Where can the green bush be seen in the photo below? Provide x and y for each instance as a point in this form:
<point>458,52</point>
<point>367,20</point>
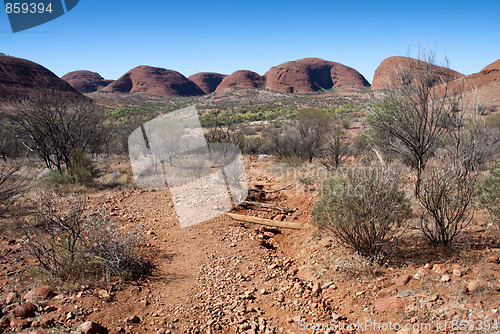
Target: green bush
<point>81,169</point>
<point>292,161</point>
<point>489,192</point>
<point>306,180</point>
<point>360,143</point>
<point>56,178</point>
<point>362,210</point>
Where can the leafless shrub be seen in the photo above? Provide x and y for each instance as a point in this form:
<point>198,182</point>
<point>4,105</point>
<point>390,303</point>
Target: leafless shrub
<point>11,186</point>
<point>70,243</point>
<point>469,145</point>
<point>115,251</point>
<point>362,210</point>
<point>303,138</point>
<point>335,149</point>
<point>10,145</point>
<point>447,196</point>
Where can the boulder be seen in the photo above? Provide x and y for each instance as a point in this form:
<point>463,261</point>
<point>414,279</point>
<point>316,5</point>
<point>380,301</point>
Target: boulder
<point>90,327</point>
<point>26,310</point>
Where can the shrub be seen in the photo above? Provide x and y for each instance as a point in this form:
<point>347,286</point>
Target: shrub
<point>360,143</point>
<point>56,178</point>
<point>71,244</point>
<point>488,192</point>
<point>292,161</point>
<point>81,169</point>
<point>11,187</point>
<point>470,145</point>
<point>252,145</point>
<point>493,121</point>
<point>447,196</point>
<point>306,180</point>
<point>335,148</point>
<point>302,138</point>
<point>362,210</point>
<point>345,123</point>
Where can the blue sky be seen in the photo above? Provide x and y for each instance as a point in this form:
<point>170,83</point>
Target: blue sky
<point>112,36</point>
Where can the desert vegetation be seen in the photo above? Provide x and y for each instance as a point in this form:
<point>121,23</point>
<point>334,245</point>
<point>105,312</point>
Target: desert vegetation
<point>72,244</point>
<point>373,202</point>
<point>363,209</point>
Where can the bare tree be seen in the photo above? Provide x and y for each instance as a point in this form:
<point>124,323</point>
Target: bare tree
<point>54,126</point>
<point>469,143</point>
<point>303,138</point>
<point>335,149</point>
<point>412,118</point>
<point>11,186</point>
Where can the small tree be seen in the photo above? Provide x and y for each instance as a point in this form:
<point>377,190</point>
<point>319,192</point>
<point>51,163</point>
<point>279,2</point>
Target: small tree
<point>412,118</point>
<point>55,126</point>
<point>10,146</point>
<point>81,169</point>
<point>447,196</point>
<point>11,186</point>
<point>302,138</point>
<point>335,149</point>
<point>362,210</point>
<point>222,128</point>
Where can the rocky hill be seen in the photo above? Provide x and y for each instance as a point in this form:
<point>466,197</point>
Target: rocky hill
<point>86,81</point>
<point>207,81</point>
<point>312,74</point>
<point>385,72</point>
<point>483,86</point>
<point>156,81</point>
<point>241,78</point>
<point>20,78</point>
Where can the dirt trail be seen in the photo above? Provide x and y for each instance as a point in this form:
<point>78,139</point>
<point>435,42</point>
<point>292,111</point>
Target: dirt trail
<point>219,275</point>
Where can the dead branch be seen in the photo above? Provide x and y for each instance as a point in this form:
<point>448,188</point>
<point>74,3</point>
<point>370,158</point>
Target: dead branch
<point>266,222</point>
<point>265,205</point>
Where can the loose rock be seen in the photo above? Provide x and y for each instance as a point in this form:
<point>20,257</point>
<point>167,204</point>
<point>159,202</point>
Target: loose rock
<point>90,327</point>
<point>402,280</point>
<point>26,310</point>
<point>39,294</point>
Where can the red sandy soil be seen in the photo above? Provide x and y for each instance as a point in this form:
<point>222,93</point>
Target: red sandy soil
<point>223,276</point>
